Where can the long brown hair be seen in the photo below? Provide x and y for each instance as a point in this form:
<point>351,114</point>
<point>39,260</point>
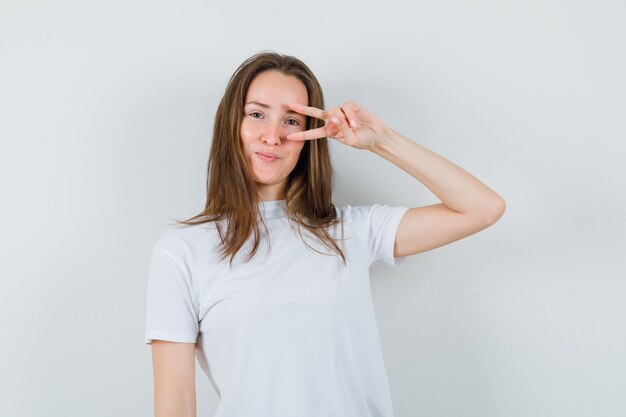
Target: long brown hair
<point>231,189</point>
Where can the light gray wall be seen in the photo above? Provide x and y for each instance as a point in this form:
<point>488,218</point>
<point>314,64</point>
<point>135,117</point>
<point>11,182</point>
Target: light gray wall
<point>105,117</point>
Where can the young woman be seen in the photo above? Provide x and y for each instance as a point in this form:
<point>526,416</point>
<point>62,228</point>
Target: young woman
<point>269,286</point>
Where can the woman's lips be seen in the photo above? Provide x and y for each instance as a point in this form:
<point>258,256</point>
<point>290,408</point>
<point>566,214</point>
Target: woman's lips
<point>266,158</point>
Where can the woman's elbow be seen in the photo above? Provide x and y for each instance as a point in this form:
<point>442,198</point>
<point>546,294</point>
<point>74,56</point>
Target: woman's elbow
<point>495,210</point>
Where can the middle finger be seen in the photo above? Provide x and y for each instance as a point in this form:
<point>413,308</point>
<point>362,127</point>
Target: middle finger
<point>309,111</point>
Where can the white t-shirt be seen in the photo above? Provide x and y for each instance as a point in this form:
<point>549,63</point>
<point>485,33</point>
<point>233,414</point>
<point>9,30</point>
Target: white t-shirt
<point>290,333</point>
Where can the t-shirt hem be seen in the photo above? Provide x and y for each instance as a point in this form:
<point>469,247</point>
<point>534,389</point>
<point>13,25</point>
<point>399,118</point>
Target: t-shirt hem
<point>395,263</point>
<point>170,337</point>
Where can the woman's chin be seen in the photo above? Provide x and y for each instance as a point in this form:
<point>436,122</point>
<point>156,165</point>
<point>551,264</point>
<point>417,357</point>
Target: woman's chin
<point>264,180</point>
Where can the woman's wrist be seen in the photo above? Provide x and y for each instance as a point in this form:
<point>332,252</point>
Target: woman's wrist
<point>384,141</point>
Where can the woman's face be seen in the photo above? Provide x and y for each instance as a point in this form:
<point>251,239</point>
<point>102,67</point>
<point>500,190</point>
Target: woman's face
<point>266,123</point>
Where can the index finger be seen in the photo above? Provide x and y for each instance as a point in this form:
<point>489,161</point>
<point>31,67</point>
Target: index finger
<point>309,111</point>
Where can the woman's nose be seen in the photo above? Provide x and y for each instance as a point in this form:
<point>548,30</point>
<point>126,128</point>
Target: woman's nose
<point>272,135</point>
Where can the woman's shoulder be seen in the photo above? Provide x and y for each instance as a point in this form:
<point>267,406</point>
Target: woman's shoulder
<point>364,215</point>
<point>362,209</point>
<point>178,237</point>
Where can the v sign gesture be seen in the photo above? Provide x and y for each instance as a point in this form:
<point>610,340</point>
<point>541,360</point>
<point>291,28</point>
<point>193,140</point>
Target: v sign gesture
<point>351,124</point>
<point>467,205</point>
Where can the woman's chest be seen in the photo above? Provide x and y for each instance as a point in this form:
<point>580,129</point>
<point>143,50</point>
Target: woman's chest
<point>286,288</point>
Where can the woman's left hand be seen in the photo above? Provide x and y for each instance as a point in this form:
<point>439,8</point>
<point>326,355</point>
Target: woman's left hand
<point>351,124</point>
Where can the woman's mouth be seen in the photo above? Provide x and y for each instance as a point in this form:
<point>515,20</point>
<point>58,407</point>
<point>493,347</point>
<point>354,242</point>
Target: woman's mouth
<point>266,158</point>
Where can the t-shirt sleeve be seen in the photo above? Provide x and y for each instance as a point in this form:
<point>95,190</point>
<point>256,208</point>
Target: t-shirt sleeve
<point>378,225</point>
<point>171,307</point>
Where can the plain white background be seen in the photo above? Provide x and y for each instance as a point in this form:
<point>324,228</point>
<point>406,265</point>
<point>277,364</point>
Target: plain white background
<point>106,111</point>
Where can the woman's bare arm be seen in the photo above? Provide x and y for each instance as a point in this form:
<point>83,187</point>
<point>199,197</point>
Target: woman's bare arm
<point>174,379</point>
<point>467,206</point>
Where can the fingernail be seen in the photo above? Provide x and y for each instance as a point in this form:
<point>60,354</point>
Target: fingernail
<point>353,122</point>
<point>336,121</point>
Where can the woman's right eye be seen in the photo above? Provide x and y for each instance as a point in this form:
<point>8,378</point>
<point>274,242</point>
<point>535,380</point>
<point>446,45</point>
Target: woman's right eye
<point>254,113</point>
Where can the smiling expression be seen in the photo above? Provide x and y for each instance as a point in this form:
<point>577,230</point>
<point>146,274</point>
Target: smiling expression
<point>264,128</point>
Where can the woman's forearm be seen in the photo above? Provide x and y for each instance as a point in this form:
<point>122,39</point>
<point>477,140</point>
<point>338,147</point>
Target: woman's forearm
<point>456,188</point>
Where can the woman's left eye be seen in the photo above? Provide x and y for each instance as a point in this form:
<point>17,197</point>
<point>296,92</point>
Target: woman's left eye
<point>294,120</point>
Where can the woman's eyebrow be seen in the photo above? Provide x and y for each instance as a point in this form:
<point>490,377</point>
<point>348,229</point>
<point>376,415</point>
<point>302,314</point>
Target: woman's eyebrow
<point>258,104</point>
<point>267,106</point>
